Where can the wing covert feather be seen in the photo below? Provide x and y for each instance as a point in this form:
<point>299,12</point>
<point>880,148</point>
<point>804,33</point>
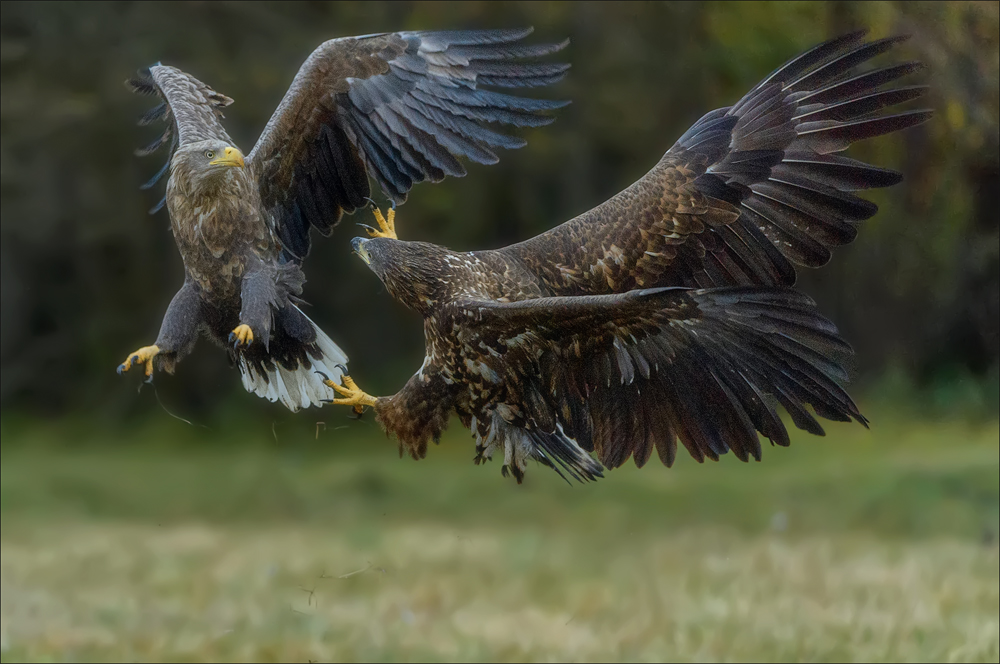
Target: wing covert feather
<point>749,191</point>
<point>397,107</point>
<point>627,373</point>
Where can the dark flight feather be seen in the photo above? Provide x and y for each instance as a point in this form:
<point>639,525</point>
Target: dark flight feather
<point>663,315</point>
<point>413,102</point>
<point>771,155</point>
<point>399,108</point>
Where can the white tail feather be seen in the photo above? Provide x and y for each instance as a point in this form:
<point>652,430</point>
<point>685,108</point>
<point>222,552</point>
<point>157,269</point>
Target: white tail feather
<point>302,387</point>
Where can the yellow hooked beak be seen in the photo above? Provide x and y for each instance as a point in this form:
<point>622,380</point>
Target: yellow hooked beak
<point>231,157</point>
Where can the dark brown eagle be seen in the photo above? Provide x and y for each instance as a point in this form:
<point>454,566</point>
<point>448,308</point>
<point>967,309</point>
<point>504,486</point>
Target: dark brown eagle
<point>665,313</point>
<point>396,107</point>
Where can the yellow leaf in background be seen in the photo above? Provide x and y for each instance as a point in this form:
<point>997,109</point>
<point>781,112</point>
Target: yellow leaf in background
<point>955,114</point>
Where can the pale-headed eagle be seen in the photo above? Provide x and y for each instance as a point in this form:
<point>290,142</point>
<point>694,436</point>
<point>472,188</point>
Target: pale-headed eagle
<point>665,313</point>
<point>398,108</point>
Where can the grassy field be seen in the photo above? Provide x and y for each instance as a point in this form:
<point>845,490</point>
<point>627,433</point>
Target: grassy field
<point>317,543</point>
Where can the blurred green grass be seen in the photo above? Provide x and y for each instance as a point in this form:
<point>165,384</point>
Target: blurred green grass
<point>164,541</point>
<point>904,477</point>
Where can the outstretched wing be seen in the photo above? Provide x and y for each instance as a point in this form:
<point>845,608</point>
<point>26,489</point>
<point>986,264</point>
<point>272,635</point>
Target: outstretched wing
<point>749,191</point>
<point>191,109</point>
<point>624,373</point>
<point>399,107</point>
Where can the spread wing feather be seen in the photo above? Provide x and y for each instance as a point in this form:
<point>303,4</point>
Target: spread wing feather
<point>398,107</point>
<point>628,373</point>
<point>191,109</point>
<point>746,193</point>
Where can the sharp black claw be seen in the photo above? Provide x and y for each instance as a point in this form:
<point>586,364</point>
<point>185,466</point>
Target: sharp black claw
<point>392,204</point>
<point>135,359</point>
<point>232,335</point>
<point>342,368</point>
<point>325,377</point>
<point>121,369</point>
<point>370,201</point>
<point>366,226</point>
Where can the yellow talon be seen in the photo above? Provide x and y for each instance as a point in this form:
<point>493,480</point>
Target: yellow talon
<point>241,336</point>
<point>353,395</point>
<point>144,355</point>
<point>388,225</point>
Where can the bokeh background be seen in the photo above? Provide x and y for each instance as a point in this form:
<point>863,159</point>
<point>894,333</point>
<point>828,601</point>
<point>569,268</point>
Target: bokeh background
<point>194,520</point>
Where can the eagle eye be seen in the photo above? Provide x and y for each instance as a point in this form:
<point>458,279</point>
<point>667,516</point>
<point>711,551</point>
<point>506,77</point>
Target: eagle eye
<point>210,154</point>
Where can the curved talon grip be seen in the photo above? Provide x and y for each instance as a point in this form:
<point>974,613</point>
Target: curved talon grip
<point>144,356</point>
<point>241,336</point>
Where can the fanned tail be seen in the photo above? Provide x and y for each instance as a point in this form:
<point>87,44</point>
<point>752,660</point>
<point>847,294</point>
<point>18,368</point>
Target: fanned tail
<point>292,369</point>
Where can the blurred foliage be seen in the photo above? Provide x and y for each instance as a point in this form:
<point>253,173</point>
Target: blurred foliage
<point>85,273</point>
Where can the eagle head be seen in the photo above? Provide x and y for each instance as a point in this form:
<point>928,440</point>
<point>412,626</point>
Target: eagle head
<point>206,164</point>
<point>414,273</point>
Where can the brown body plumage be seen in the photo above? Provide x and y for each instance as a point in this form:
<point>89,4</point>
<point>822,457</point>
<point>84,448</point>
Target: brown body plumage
<point>665,313</point>
<point>396,107</point>
<point>217,223</point>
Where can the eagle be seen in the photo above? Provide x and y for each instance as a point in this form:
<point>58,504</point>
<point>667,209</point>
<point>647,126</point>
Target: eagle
<point>666,313</point>
<point>398,108</point>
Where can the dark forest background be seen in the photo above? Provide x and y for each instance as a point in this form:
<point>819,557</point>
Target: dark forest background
<point>86,273</point>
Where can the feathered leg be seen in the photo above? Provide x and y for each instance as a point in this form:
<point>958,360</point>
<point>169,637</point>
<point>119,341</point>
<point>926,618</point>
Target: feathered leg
<point>258,294</point>
<point>416,414</point>
<point>177,337</point>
